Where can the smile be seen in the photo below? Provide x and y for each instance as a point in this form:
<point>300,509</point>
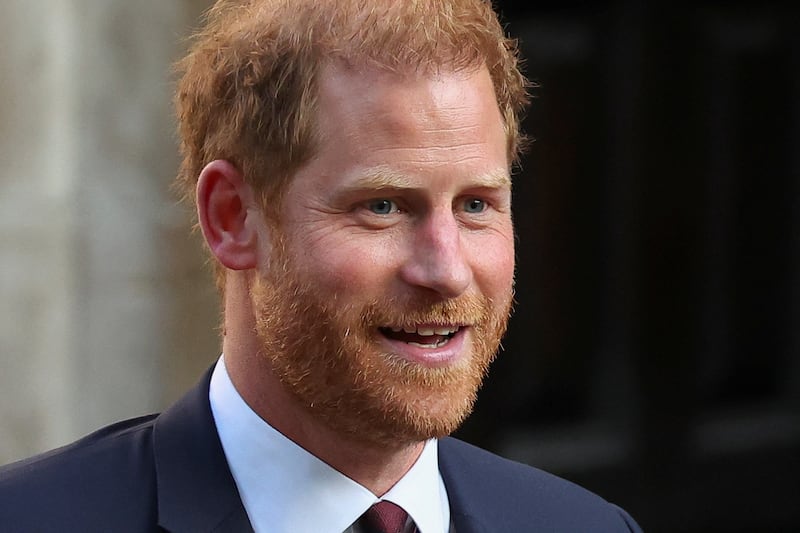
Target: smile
<point>428,337</point>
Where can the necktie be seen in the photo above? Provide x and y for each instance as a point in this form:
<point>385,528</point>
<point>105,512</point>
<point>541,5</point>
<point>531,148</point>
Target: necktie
<point>384,517</point>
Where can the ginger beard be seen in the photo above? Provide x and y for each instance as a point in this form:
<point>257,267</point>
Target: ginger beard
<point>328,354</point>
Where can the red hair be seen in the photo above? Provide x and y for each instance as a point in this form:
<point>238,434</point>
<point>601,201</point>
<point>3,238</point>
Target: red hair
<point>248,87</point>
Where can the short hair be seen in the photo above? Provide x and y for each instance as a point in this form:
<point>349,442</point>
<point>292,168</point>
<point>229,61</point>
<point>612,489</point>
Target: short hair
<point>248,86</point>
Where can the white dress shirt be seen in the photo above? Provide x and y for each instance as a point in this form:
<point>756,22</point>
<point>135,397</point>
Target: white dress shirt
<point>285,489</point>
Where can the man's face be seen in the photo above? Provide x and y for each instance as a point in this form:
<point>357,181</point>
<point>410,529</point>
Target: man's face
<point>388,286</point>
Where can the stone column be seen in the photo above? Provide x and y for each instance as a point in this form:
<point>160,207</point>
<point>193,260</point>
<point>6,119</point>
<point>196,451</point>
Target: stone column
<point>107,308</point>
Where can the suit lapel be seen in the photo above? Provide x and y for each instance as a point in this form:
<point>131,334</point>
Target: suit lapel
<point>464,523</point>
<point>465,508</point>
<point>196,491</point>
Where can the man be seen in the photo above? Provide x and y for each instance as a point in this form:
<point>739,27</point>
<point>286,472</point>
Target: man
<point>350,163</point>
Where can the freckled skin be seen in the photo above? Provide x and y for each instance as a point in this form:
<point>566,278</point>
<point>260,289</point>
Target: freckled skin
<point>442,135</point>
<point>402,217</point>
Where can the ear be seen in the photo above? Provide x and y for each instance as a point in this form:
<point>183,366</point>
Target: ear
<point>226,210</point>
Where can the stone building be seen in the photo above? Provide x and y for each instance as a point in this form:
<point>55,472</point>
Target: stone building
<point>107,308</point>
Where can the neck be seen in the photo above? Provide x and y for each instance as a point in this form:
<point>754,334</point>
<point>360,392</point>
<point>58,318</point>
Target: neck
<point>376,466</point>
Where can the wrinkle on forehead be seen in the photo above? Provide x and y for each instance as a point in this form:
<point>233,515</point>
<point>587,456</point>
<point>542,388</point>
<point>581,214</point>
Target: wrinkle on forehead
<point>431,90</point>
<point>379,130</point>
<point>443,113</point>
<point>384,177</point>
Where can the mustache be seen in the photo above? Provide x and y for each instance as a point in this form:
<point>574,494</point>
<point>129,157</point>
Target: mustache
<point>467,309</point>
<point>410,308</point>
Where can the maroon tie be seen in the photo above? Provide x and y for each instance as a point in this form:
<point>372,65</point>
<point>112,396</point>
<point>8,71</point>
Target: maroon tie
<point>384,517</point>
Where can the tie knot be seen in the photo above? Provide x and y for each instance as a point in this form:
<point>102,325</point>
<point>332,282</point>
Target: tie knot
<point>384,517</point>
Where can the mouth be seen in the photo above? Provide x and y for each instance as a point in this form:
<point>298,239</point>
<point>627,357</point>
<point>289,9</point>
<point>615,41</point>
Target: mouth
<point>427,337</point>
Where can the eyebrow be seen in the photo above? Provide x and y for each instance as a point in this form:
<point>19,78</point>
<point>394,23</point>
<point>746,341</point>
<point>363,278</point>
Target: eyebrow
<point>378,178</point>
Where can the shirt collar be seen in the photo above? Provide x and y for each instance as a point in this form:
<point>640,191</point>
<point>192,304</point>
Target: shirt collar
<point>284,488</point>
<point>422,494</point>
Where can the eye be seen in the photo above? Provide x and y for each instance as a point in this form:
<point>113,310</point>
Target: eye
<point>382,207</point>
<point>475,205</point>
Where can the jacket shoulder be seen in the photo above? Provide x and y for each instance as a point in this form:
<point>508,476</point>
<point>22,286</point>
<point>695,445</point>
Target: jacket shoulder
<point>102,482</point>
<point>505,495</point>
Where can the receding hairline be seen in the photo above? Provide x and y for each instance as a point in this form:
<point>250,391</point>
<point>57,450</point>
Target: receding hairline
<point>247,87</point>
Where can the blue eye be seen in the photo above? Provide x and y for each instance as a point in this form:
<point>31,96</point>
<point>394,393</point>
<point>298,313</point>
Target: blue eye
<point>382,207</point>
<point>475,205</point>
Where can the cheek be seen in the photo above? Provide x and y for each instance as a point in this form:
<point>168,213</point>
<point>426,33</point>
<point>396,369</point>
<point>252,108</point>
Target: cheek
<point>350,266</point>
<point>493,262</point>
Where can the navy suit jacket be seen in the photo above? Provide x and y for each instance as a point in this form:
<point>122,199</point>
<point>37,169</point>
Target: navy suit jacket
<point>168,472</point>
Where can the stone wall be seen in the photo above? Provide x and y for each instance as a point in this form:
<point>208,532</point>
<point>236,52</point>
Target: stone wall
<point>107,309</point>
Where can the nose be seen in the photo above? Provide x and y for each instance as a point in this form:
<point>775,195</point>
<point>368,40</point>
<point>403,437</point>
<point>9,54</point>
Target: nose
<point>438,259</point>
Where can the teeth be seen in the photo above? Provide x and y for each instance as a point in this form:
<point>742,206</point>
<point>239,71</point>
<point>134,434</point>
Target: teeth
<point>426,332</point>
<point>429,346</point>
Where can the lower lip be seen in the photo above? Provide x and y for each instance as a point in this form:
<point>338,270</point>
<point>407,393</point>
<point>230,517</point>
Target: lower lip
<point>446,355</point>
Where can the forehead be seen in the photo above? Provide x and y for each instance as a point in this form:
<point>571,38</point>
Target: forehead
<point>349,89</point>
<point>443,116</point>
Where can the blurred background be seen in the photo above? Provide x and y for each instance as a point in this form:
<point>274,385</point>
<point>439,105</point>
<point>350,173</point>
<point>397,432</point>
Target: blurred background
<point>654,356</point>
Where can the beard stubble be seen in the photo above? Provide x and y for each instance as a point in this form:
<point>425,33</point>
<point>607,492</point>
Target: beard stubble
<point>326,353</point>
